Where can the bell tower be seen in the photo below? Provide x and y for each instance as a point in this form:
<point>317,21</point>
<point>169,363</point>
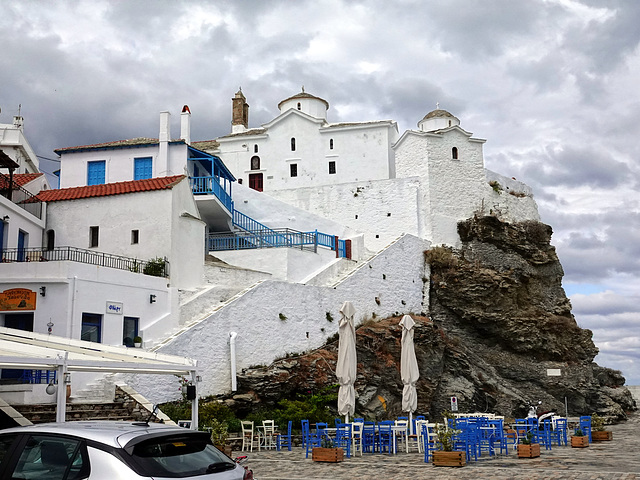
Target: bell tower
<point>239,113</point>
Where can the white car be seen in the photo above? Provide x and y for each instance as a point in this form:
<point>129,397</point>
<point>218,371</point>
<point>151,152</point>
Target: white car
<point>103,450</point>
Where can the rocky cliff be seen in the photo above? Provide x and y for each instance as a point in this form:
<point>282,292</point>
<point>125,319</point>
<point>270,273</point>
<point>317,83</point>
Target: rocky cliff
<point>498,321</point>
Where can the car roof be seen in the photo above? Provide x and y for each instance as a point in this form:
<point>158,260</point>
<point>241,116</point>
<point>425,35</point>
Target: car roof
<point>113,433</point>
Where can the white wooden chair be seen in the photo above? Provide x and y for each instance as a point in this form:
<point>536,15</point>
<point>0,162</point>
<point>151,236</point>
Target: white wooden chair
<point>268,433</point>
<point>248,436</point>
<point>356,438</point>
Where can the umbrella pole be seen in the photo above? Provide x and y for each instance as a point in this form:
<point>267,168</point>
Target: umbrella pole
<point>410,423</point>
<point>346,418</point>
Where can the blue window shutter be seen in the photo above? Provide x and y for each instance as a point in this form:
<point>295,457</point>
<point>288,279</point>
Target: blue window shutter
<point>142,168</point>
<point>96,172</point>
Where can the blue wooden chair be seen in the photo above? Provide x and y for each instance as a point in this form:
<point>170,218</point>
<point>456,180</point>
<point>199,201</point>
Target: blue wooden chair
<point>343,437</point>
<point>385,437</point>
<point>284,440</point>
<point>369,437</point>
<point>559,433</point>
<point>305,432</point>
<point>585,426</point>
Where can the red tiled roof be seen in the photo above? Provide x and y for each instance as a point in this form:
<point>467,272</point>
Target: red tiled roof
<point>19,179</point>
<point>106,189</point>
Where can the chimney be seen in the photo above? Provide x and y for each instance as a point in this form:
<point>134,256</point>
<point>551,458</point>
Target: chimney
<point>18,122</point>
<point>185,125</point>
<point>239,113</point>
<point>164,138</point>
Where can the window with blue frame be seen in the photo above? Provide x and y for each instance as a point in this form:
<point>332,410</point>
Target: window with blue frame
<point>142,168</point>
<point>91,327</point>
<point>96,172</point>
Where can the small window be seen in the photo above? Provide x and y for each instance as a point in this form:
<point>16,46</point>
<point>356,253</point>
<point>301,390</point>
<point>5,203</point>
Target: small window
<point>255,163</point>
<point>130,330</point>
<point>293,169</point>
<point>51,240</point>
<point>454,153</point>
<point>449,122</point>
<point>332,167</point>
<point>135,237</point>
<point>255,148</point>
<point>240,181</point>
<point>331,144</point>
<point>142,168</point>
<point>299,106</point>
<point>94,233</point>
<point>91,327</point>
<point>293,144</point>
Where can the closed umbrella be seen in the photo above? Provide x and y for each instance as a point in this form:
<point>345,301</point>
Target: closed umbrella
<point>346,368</point>
<point>408,369</point>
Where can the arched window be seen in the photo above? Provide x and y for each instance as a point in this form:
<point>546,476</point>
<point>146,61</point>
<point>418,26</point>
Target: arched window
<point>299,106</point>
<point>255,163</point>
<point>51,240</point>
<point>454,153</point>
<point>449,122</point>
<point>293,144</point>
<point>255,148</point>
<point>331,144</point>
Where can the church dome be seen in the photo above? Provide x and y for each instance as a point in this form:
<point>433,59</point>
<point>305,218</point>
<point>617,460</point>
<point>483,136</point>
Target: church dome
<point>307,103</point>
<point>437,119</point>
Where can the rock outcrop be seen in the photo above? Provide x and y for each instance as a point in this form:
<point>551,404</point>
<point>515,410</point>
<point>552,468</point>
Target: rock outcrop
<point>499,323</point>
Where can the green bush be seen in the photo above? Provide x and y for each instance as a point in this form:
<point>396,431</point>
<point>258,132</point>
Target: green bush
<point>155,267</point>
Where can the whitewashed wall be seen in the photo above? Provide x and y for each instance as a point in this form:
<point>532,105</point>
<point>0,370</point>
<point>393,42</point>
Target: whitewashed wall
<point>361,152</point>
<point>119,163</point>
<point>73,288</point>
<point>157,215</point>
<point>395,277</point>
<point>381,209</point>
<point>20,219</point>
<point>510,208</point>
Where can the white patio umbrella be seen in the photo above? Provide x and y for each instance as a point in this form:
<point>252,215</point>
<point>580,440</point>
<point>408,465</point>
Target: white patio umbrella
<point>408,369</point>
<point>347,365</point>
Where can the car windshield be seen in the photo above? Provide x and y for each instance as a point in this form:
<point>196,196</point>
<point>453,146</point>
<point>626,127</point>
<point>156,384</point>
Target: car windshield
<point>180,456</point>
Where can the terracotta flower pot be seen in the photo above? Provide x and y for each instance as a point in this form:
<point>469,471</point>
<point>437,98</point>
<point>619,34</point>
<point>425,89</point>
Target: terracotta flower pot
<point>449,459</point>
<point>580,442</point>
<point>529,451</point>
<point>602,436</point>
<point>321,454</point>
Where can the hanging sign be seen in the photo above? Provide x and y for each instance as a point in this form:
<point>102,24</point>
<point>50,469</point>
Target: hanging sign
<point>17,299</point>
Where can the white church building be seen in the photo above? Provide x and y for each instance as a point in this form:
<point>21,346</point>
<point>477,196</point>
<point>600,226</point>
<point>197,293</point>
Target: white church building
<point>262,234</point>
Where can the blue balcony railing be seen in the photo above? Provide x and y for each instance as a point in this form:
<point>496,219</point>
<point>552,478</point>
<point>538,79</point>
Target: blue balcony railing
<point>211,186</point>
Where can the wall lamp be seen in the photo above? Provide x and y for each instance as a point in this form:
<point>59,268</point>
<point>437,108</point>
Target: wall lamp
<point>152,298</point>
<point>5,218</point>
<point>43,291</point>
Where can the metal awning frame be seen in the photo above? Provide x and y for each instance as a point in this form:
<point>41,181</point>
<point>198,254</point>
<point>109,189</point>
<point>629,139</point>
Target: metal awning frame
<point>28,350</point>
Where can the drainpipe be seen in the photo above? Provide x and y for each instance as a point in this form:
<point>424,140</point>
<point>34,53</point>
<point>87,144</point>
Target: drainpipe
<point>232,343</point>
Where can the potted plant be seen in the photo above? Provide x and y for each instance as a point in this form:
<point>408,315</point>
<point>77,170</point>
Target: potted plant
<point>579,439</point>
<point>598,432</point>
<point>327,452</point>
<point>528,449</point>
<point>137,342</point>
<point>445,456</point>
<point>220,436</point>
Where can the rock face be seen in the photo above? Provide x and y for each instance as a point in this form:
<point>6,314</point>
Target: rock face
<point>499,320</point>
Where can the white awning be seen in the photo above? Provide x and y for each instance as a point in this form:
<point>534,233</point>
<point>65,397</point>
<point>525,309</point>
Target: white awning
<point>38,351</point>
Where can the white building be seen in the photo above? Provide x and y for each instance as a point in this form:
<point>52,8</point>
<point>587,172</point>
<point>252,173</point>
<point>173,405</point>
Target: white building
<point>307,183</point>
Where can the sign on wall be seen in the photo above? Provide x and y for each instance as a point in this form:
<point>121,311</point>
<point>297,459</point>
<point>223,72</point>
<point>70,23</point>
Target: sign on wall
<point>114,307</point>
<point>454,404</point>
<point>17,299</point>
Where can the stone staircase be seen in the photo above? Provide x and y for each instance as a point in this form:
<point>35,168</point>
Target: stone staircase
<point>126,405</point>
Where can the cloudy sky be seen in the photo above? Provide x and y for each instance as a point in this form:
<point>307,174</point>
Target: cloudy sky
<point>553,85</point>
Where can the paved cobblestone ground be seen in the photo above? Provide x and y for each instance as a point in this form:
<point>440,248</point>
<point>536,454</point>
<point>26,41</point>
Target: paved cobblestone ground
<point>618,459</point>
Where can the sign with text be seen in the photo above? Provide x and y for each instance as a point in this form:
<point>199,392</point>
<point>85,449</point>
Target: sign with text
<point>553,372</point>
<point>114,307</point>
<point>17,299</point>
<point>454,404</point>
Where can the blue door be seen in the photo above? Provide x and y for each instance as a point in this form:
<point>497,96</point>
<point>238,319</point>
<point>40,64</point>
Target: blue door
<point>96,172</point>
<point>22,243</point>
<point>142,168</point>
<point>19,321</point>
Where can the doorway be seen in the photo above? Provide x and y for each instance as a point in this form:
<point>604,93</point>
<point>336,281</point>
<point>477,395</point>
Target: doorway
<point>255,181</point>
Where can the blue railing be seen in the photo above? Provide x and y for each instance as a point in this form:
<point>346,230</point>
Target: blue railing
<point>210,185</point>
<point>38,376</point>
